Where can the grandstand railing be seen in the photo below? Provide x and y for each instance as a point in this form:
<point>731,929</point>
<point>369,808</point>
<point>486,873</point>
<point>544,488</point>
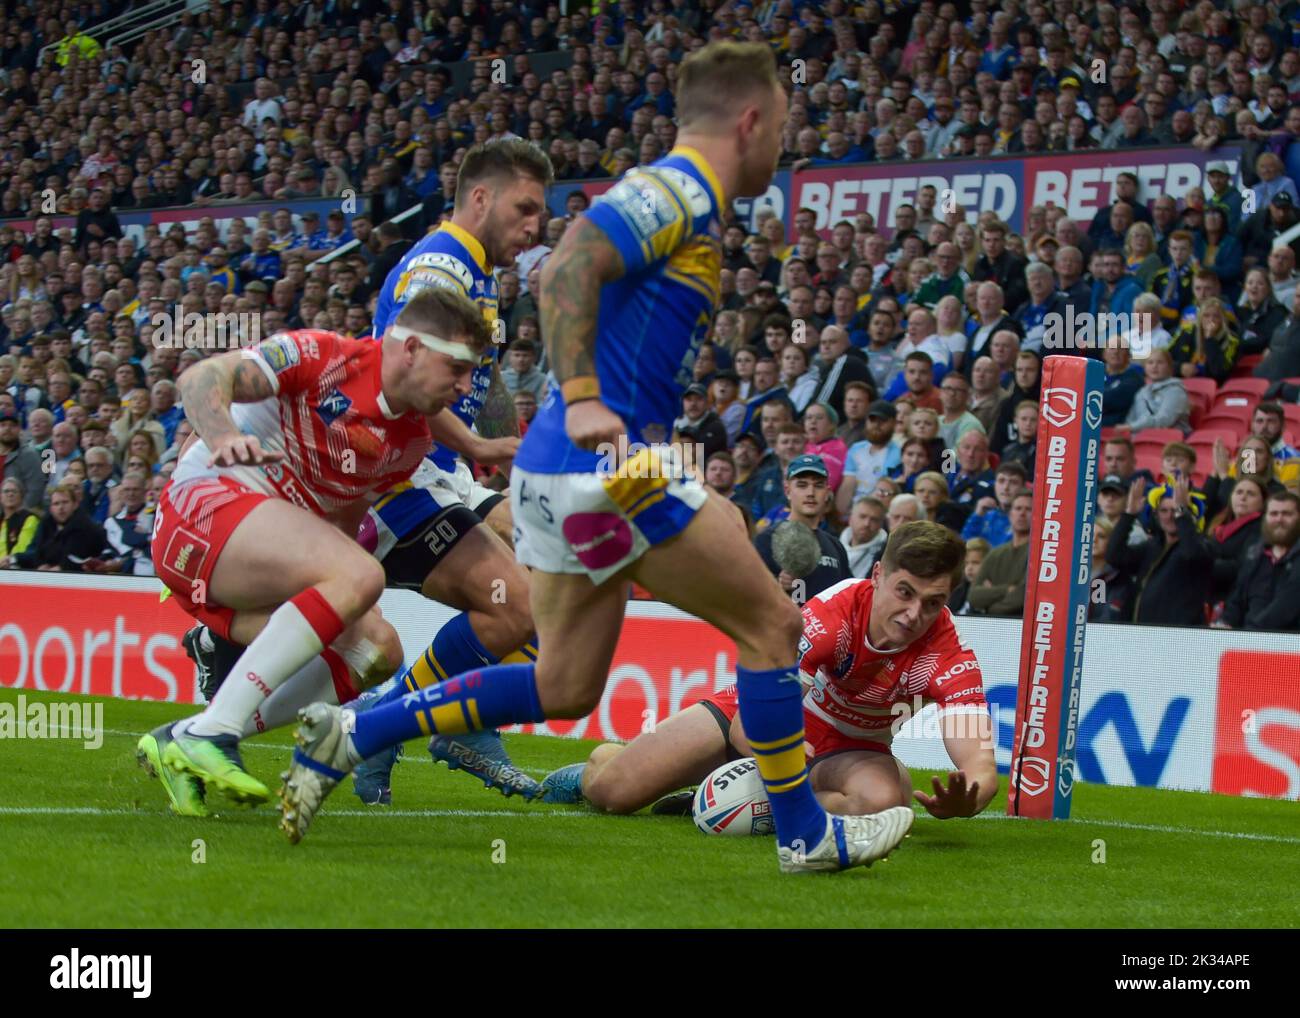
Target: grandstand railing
<point>353,244</point>
<point>132,24</point>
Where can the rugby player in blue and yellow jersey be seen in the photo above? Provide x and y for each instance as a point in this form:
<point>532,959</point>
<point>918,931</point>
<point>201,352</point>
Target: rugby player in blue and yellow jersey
<point>626,300</point>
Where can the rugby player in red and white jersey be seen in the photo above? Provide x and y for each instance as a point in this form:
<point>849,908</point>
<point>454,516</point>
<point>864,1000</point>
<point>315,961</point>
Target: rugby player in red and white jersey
<point>868,647</point>
<point>255,533</point>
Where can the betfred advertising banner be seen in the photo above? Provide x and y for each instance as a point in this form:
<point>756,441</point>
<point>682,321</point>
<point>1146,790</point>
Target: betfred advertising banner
<point>1191,709</point>
<point>1081,182</point>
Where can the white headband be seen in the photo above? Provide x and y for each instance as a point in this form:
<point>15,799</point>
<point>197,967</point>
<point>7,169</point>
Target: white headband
<point>456,351</point>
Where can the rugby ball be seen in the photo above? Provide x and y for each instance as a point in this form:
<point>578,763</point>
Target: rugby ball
<point>732,800</point>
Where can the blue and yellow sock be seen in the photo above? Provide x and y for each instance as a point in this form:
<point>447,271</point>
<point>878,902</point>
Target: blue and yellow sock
<point>455,650</point>
<point>476,701</point>
<point>771,712</point>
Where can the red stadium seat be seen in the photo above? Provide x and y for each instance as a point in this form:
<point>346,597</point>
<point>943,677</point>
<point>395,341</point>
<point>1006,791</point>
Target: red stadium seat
<point>1235,403</point>
<point>1203,442</point>
<point>1292,413</point>
<point>1157,436</point>
<point>1245,366</point>
<point>1227,419</point>
<point>1108,433</point>
<point>1200,406</point>
<point>1253,386</point>
<point>1203,386</point>
<point>1149,458</point>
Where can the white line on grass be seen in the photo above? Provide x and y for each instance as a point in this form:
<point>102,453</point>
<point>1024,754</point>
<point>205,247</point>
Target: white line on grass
<point>587,814</point>
<point>1162,829</point>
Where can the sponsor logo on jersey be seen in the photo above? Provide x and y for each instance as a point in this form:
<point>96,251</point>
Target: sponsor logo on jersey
<point>333,406</point>
<point>183,558</point>
<point>959,668</point>
<point>438,262</point>
<point>280,352</point>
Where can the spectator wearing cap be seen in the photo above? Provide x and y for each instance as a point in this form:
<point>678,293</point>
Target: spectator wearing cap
<point>865,536</point>
<point>999,586</point>
<point>1267,593</point>
<point>1223,194</point>
<point>809,500</point>
<point>19,460</point>
<point>1260,232</point>
<point>872,458</point>
<point>758,474</point>
<point>699,424</point>
<point>520,372</point>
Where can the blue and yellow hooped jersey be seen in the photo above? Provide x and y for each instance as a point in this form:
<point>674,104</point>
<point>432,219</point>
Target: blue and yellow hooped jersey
<point>665,220</point>
<point>451,258</point>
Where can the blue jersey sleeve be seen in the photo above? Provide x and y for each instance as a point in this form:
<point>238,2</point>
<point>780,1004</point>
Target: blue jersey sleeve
<point>650,213</point>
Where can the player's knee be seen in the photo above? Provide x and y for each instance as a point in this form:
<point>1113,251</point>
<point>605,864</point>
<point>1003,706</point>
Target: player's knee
<point>562,698</point>
<point>606,792</point>
<point>357,586</point>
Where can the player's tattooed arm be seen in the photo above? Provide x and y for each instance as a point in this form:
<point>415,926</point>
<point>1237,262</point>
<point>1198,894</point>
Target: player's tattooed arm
<point>207,391</point>
<point>570,299</point>
<point>497,419</point>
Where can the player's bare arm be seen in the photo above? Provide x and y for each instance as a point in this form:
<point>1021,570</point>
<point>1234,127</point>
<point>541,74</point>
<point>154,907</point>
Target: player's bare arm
<point>490,450</point>
<point>208,389</point>
<point>571,282</point>
<point>968,738</point>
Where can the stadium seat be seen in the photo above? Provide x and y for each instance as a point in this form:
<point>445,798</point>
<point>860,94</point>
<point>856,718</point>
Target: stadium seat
<point>1236,421</point>
<point>1148,458</point>
<point>1108,433</point>
<point>1157,436</point>
<point>1245,367</point>
<point>1203,442</point>
<point>1200,406</point>
<point>1292,413</point>
<point>1235,402</point>
<point>1254,386</point>
<point>1202,386</point>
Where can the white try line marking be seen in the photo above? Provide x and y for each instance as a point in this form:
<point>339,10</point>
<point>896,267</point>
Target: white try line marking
<point>407,814</point>
<point>1160,829</point>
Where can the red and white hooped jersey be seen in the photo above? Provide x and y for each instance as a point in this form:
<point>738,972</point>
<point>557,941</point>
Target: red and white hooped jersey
<point>329,418</point>
<point>855,686</point>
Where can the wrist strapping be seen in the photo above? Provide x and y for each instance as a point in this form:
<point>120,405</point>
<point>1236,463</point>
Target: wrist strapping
<point>583,387</point>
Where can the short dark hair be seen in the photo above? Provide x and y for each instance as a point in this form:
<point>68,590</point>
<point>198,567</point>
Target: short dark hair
<point>1272,409</point>
<point>1284,496</point>
<point>925,549</point>
<point>504,158</point>
<point>1013,468</point>
<point>919,355</point>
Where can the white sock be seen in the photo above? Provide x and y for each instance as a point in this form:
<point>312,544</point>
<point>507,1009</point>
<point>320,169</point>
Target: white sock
<point>286,644</point>
<point>309,684</point>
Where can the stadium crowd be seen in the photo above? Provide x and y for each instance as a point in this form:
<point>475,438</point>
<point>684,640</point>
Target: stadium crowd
<point>893,368</point>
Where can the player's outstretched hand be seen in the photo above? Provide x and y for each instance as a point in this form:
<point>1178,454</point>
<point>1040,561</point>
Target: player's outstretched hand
<point>954,801</point>
<point>239,449</point>
<point>591,424</point>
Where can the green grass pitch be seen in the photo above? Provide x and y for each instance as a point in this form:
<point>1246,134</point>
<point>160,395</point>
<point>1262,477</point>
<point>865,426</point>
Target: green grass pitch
<point>86,840</point>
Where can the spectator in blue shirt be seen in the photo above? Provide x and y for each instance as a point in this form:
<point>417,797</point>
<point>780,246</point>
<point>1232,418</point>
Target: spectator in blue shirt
<point>1123,380</point>
<point>991,519</point>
